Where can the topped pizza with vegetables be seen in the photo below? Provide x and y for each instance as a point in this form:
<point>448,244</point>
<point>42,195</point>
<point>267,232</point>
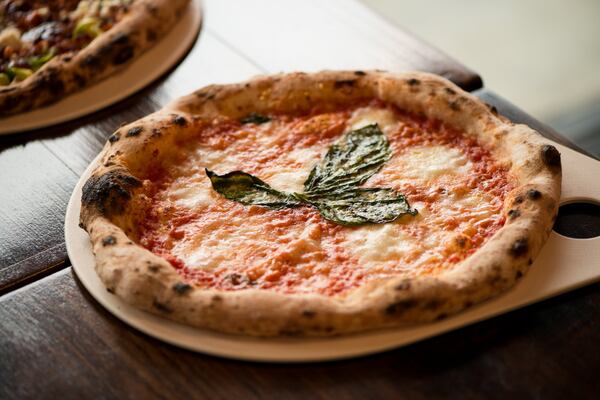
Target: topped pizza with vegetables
<point>319,204</point>
<point>49,49</point>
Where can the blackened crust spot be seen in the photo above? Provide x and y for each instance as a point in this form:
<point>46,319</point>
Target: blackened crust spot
<point>151,35</point>
<point>518,275</point>
<point>360,73</point>
<point>161,307</point>
<point>454,105</point>
<point>156,133</point>
<point>413,82</point>
<point>154,268</point>
<point>308,313</point>
<point>513,214</point>
<point>109,240</point>
<point>400,306</point>
<point>80,80</point>
<point>135,131</point>
<point>181,287</point>
<point>518,200</point>
<point>123,55</point>
<point>52,82</point>
<point>534,194</point>
<point>519,248</point>
<point>114,137</point>
<point>450,91</point>
<point>109,192</point>
<point>179,120</point>
<point>344,83</point>
<point>550,155</point>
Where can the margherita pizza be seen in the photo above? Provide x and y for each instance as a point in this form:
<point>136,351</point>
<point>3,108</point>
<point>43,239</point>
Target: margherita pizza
<point>319,204</point>
<point>49,49</point>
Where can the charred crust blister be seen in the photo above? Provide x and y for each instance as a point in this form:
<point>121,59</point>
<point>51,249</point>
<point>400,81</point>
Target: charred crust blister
<point>454,105</point>
<point>161,307</point>
<point>110,191</point>
<point>550,155</point>
<point>400,306</point>
<point>513,214</point>
<point>360,73</point>
<point>519,247</point>
<point>450,91</point>
<point>109,240</point>
<point>413,82</point>
<point>534,194</point>
<point>135,131</point>
<point>344,83</point>
<point>518,200</point>
<point>114,137</point>
<point>182,288</point>
<point>154,268</point>
<point>404,285</point>
<point>179,120</point>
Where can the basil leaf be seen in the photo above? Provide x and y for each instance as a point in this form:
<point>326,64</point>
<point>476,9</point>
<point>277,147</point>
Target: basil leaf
<point>254,118</point>
<point>351,161</point>
<point>361,205</point>
<point>248,189</point>
<point>332,186</point>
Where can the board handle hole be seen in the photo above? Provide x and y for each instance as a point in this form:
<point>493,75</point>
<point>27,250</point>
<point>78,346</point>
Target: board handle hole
<point>578,220</point>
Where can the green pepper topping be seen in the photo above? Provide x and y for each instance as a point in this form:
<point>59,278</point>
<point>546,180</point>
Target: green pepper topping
<point>19,74</point>
<point>4,79</point>
<point>37,62</point>
<point>88,26</point>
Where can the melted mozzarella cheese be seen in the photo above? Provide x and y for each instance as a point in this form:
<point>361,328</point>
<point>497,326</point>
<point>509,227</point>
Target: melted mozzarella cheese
<point>425,163</point>
<point>386,119</point>
<point>375,243</point>
<point>297,242</point>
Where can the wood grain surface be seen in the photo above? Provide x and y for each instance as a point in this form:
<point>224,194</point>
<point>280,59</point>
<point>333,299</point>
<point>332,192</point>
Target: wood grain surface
<point>57,342</point>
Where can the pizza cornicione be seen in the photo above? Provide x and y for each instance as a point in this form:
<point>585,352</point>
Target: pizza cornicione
<point>319,204</point>
<point>49,49</point>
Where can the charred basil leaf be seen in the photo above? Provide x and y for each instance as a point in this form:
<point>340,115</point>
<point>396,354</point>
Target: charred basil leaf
<point>332,186</point>
<point>351,161</point>
<point>248,189</point>
<point>254,118</point>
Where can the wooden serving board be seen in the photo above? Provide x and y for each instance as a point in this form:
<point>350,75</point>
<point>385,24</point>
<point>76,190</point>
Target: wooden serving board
<point>564,264</point>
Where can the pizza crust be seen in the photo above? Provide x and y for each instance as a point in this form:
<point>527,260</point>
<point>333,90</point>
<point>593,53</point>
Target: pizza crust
<point>145,23</point>
<point>110,204</point>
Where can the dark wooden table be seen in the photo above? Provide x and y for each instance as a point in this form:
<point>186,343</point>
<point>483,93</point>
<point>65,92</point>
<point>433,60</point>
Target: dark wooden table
<point>58,342</point>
